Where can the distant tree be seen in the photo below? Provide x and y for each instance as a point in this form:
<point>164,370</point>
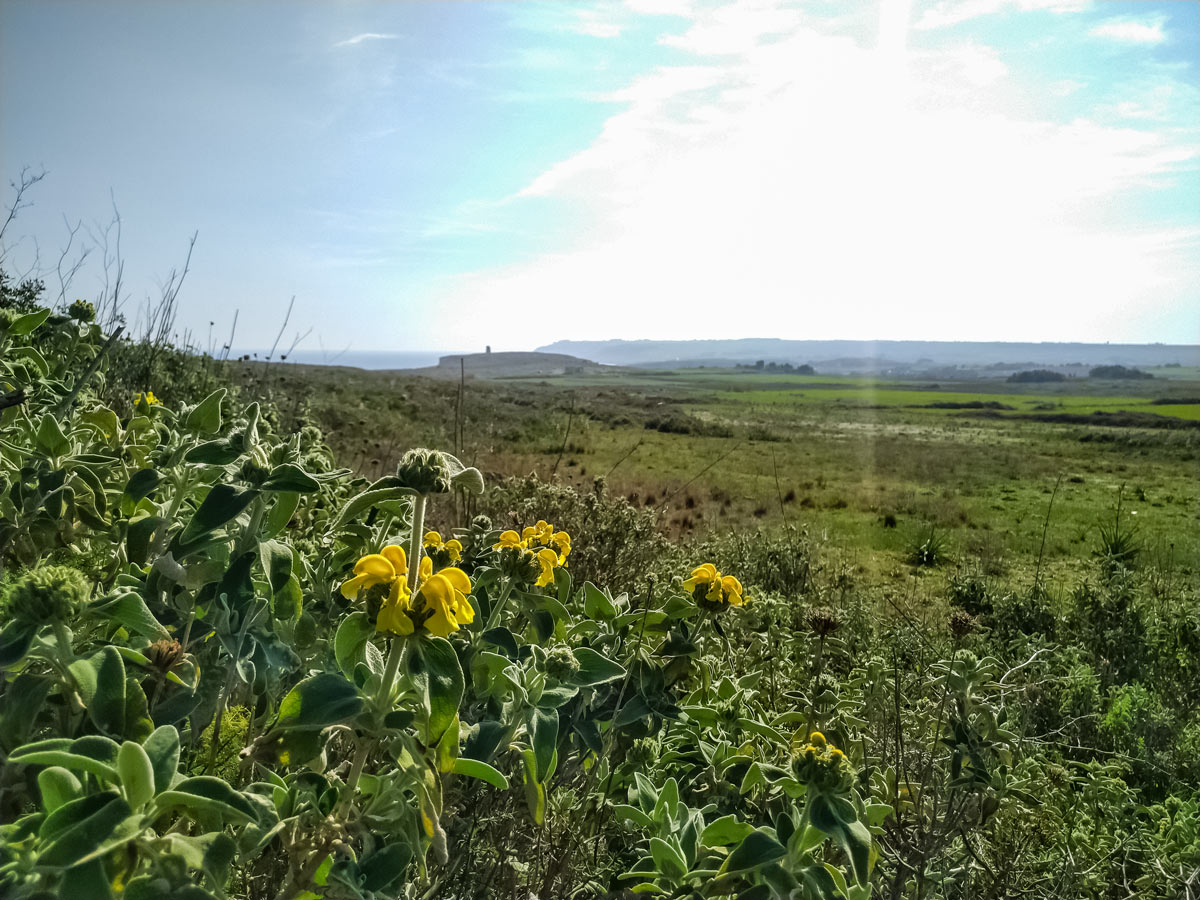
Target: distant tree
<point>761,364</point>
<point>488,349</point>
<point>1118,373</point>
<point>1033,375</point>
<point>805,369</point>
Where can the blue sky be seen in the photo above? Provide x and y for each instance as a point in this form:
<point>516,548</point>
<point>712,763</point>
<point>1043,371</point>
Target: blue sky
<point>448,175</point>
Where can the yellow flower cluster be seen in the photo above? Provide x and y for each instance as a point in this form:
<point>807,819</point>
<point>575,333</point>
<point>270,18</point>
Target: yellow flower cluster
<point>147,397</point>
<point>440,604</point>
<point>819,764</point>
<point>551,548</point>
<point>712,589</point>
<point>435,546</point>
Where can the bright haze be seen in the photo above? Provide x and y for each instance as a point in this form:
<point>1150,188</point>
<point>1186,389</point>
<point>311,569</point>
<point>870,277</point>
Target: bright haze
<point>440,175</point>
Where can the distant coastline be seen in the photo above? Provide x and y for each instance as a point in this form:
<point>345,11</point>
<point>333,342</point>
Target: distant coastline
<point>359,359</point>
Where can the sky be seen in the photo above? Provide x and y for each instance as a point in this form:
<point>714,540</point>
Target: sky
<point>451,175</point>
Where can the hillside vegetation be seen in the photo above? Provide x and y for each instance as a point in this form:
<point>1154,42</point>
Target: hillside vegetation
<point>257,641</point>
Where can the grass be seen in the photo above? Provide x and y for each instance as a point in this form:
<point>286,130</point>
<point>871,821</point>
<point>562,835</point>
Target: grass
<point>843,458</point>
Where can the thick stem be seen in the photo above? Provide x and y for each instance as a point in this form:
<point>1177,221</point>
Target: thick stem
<point>414,541</point>
<point>498,606</point>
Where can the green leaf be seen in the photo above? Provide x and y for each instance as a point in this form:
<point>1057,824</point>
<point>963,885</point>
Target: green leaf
<point>50,437</point>
<point>88,880</point>
<point>349,643</point>
<point>87,833</point>
<point>290,477</point>
<point>130,610</point>
<point>27,323</point>
<point>15,640</point>
<point>670,861</point>
<point>204,793</point>
<point>633,814</point>
<point>281,512</point>
<point>137,774</point>
<point>759,848</point>
<point>101,682</point>
<point>544,737</point>
<point>222,504</point>
<point>218,859</point>
<point>535,791</point>
<point>213,453</point>
<point>596,603</point>
<point>277,563</point>
<point>466,478</point>
<point>206,417</point>
<point>141,484</point>
<point>162,746</point>
<point>725,831</point>
<point>369,498</point>
<point>24,697</point>
<point>319,701</point>
<point>385,866</point>
<point>94,754</point>
<point>140,535</point>
<point>594,668</point>
<point>473,768</point>
<point>58,786</point>
<point>437,672</point>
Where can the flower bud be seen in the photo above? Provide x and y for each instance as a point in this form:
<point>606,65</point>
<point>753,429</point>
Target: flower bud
<point>425,471</point>
<point>82,311</point>
<point>48,593</point>
<point>561,663</point>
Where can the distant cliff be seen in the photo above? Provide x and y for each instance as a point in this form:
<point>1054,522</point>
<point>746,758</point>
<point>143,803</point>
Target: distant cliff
<point>876,354</point>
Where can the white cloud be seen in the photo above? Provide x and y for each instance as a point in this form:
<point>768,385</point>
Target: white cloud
<point>366,36</point>
<point>782,184</point>
<point>1130,31</point>
<point>954,12</point>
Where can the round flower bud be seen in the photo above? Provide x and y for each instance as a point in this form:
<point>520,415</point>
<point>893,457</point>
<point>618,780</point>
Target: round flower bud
<point>561,663</point>
<point>48,593</point>
<point>82,311</point>
<point>962,623</point>
<point>824,621</point>
<point>253,473</point>
<point>425,471</point>
<point>165,655</point>
<point>822,766</point>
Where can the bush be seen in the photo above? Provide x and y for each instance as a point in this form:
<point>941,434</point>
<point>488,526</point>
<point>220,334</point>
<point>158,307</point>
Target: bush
<point>1033,376</point>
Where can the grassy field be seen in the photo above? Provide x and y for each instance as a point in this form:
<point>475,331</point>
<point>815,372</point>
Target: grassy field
<point>867,467</point>
<point>954,651</point>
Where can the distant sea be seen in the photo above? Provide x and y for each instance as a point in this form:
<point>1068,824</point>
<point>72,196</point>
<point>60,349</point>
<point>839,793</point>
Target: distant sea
<point>360,359</point>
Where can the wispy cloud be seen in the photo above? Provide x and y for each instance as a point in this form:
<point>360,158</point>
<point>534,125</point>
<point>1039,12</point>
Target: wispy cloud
<point>954,12</point>
<point>778,166</point>
<point>365,36</point>
<point>1131,31</point>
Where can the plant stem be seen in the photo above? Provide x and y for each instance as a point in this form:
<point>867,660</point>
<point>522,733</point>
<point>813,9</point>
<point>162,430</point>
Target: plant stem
<point>396,655</point>
<point>414,541</point>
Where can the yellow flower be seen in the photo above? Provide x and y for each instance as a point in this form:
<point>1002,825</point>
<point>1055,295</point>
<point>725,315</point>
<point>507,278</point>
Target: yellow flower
<point>547,547</point>
<point>562,541</point>
<point>509,540</point>
<point>706,575</point>
<point>541,532</point>
<point>376,568</point>
<point>711,587</point>
<point>445,594</point>
<point>732,589</point>
<point>389,566</point>
<point>452,548</point>
<point>148,398</point>
<point>547,559</point>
